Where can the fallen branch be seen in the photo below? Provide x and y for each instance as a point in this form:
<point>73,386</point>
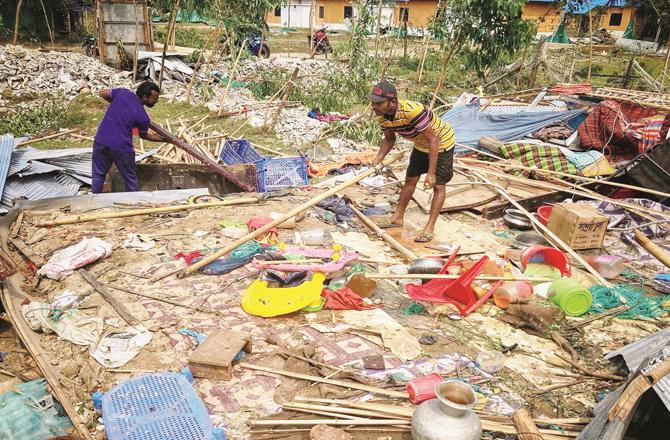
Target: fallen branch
<point>578,367</point>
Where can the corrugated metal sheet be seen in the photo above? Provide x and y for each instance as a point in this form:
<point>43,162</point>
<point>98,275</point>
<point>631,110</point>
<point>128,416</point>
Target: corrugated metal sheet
<point>79,165</point>
<point>46,155</point>
<point>637,353</point>
<point>37,167</point>
<point>6,149</point>
<point>39,187</point>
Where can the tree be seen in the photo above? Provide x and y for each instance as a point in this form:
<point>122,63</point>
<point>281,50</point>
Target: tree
<point>487,32</point>
<point>655,15</point>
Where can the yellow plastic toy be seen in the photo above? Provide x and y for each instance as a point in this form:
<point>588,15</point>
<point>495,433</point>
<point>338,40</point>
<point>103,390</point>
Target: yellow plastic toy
<point>261,300</point>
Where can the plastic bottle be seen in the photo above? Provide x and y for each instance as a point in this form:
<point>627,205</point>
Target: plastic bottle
<point>609,266</point>
<point>314,237</point>
<point>512,292</point>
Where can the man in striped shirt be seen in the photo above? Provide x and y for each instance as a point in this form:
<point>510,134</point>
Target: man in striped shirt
<point>432,155</point>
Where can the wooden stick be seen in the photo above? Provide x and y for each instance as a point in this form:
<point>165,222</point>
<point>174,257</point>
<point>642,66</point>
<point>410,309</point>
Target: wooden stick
<point>147,211</point>
<point>32,343</point>
<point>572,176</point>
<point>288,89</point>
<point>422,276</point>
<point>109,297</point>
<point>652,248</point>
<point>46,18</point>
<point>17,19</point>
<point>335,422</point>
<point>233,69</point>
<point>408,254</point>
<point>525,425</point>
<point>341,383</point>
<point>550,234</point>
<point>289,215</point>
<point>562,385</point>
<point>578,367</point>
<point>545,185</point>
<point>290,407</point>
<point>173,23</point>
<point>615,311</point>
<point>197,63</point>
<point>51,136</point>
<point>337,410</point>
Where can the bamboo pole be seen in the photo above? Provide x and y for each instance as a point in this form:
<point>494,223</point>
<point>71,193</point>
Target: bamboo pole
<point>334,422</point>
<point>379,25</point>
<point>289,215</point>
<point>572,176</point>
<point>443,71</point>
<point>147,211</point>
<point>173,20</point>
<point>197,63</point>
<point>341,383</point>
<point>664,74</point>
<point>408,254</point>
<point>525,426</point>
<point>338,410</point>
<point>424,276</point>
<point>426,39</point>
<point>287,91</point>
<point>548,233</point>
<point>588,76</point>
<point>652,248</point>
<point>51,136</point>
<point>545,185</point>
<point>137,42</point>
<point>233,69</point>
<point>17,19</point>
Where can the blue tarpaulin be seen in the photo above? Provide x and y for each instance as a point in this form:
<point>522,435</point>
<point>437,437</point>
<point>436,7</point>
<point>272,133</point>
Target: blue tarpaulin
<point>470,124</point>
<point>577,7</point>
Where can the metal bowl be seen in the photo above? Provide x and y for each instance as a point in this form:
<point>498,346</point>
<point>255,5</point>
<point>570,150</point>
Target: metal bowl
<point>516,219</point>
<point>426,265</point>
<point>527,239</point>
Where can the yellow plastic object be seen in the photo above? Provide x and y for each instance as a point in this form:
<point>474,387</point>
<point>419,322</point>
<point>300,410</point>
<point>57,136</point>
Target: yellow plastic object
<point>337,247</point>
<point>281,246</point>
<point>261,300</point>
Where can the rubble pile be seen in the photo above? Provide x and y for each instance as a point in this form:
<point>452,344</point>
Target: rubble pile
<point>31,72</point>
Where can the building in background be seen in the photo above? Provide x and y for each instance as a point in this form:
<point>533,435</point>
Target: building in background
<point>612,15</point>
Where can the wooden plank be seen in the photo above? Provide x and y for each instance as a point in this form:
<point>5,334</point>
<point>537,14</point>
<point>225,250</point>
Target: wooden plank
<point>213,359</point>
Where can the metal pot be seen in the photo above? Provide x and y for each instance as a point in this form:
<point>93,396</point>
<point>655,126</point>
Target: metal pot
<point>448,417</point>
<point>528,239</point>
<point>516,219</point>
<point>426,265</point>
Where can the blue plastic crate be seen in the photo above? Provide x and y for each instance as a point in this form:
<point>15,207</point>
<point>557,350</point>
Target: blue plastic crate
<point>155,407</point>
<point>278,173</point>
<point>236,152</point>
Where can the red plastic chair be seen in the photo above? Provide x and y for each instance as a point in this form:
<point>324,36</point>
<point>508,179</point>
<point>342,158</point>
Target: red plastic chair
<point>457,292</point>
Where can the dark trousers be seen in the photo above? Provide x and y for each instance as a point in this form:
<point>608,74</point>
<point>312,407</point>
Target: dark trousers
<point>103,158</point>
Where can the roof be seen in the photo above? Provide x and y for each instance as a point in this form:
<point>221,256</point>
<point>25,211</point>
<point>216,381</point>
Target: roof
<point>577,7</point>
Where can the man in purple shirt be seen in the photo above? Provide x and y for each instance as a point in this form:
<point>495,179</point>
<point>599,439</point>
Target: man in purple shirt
<point>113,143</point>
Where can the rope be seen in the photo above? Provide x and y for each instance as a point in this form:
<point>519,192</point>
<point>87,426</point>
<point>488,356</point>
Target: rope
<point>640,305</point>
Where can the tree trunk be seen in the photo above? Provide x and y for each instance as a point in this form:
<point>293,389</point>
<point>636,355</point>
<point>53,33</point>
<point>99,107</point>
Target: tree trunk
<point>404,46</point>
<point>311,29</point>
<point>46,18</point>
<point>16,21</point>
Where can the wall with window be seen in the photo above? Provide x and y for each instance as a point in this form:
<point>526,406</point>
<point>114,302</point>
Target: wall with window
<point>547,16</point>
<point>419,13</point>
<point>617,19</point>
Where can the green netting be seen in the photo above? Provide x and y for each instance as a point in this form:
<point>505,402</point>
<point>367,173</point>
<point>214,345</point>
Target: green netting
<point>560,35</point>
<point>414,309</point>
<point>640,305</point>
<point>630,30</point>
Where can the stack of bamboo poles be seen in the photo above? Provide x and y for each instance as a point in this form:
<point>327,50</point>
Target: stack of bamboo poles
<point>171,154</point>
<point>356,415</point>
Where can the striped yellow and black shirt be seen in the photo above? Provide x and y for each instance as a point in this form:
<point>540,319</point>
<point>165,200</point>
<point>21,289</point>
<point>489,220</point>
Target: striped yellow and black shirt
<point>411,119</point>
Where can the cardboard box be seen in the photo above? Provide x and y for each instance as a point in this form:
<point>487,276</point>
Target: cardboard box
<point>579,225</point>
<point>213,359</point>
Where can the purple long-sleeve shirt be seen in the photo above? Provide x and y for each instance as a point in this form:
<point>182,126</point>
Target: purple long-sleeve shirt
<point>125,113</point>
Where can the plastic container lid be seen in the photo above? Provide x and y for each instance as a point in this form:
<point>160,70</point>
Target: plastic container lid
<point>570,296</point>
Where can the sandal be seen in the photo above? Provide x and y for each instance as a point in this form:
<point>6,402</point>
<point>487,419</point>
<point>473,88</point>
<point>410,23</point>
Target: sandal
<point>385,223</point>
<point>424,237</point>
